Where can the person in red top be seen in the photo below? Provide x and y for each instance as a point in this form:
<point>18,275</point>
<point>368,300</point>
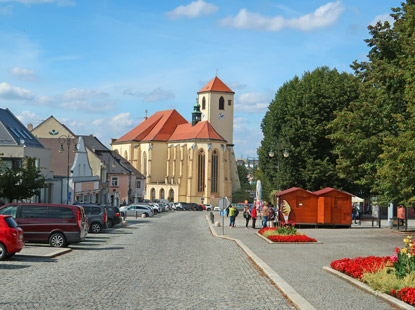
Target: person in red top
<point>253,215</point>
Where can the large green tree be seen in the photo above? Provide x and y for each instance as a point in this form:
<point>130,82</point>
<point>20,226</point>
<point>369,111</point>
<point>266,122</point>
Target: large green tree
<point>297,121</point>
<point>21,183</point>
<point>371,136</point>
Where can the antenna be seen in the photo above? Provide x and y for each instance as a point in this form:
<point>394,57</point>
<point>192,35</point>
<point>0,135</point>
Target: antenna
<point>217,71</point>
<point>146,114</point>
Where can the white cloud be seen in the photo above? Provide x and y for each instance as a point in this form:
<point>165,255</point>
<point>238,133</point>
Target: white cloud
<point>9,92</point>
<point>79,94</point>
<point>382,18</point>
<point>27,117</point>
<point>88,106</point>
<point>324,16</point>
<point>7,10</point>
<point>192,10</point>
<point>236,85</point>
<point>252,103</point>
<point>23,74</point>
<point>32,2</point>
<point>157,94</point>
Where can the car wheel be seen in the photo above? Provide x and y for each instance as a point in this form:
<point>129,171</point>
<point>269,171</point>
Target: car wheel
<point>3,251</point>
<point>57,240</point>
<point>144,215</point>
<point>110,223</point>
<point>95,228</point>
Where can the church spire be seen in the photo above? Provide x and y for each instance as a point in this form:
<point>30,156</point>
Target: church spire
<point>196,114</point>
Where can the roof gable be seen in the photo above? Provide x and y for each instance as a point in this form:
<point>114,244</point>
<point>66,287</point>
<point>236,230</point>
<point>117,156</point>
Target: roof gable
<point>328,190</point>
<point>293,189</point>
<point>200,131</point>
<point>158,127</point>
<point>51,128</point>
<point>216,85</point>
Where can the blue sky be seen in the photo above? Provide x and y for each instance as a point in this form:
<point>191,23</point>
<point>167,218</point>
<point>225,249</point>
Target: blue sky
<point>97,65</point>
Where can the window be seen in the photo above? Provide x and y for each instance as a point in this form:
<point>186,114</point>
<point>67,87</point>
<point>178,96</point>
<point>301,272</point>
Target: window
<point>138,184</point>
<point>60,213</point>
<point>214,171</point>
<point>10,210</point>
<point>229,102</point>
<point>126,155</point>
<point>221,103</point>
<point>162,193</point>
<point>201,172</point>
<point>30,212</point>
<point>95,211</point>
<point>114,181</point>
<point>145,164</point>
<point>153,194</point>
<point>203,103</point>
<point>171,194</point>
<point>10,222</point>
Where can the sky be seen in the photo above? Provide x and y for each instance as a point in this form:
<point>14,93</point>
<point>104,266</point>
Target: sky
<point>98,65</point>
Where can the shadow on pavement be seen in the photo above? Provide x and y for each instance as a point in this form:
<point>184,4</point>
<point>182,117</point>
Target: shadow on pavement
<point>99,249</point>
<point>4,266</point>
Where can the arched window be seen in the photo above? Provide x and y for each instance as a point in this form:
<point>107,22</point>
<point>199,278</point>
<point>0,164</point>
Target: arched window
<point>162,193</point>
<point>221,103</point>
<point>203,103</point>
<point>201,172</point>
<point>145,164</point>
<point>126,155</point>
<point>214,171</point>
<point>171,195</point>
<point>153,194</point>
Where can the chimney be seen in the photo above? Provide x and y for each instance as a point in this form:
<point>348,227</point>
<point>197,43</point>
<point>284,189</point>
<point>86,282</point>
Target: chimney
<point>30,126</point>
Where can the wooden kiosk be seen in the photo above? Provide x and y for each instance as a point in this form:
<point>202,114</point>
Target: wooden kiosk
<point>302,203</point>
<point>334,207</point>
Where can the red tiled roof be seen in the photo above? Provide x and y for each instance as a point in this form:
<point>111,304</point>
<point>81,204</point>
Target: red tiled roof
<point>216,85</point>
<point>158,127</point>
<point>327,190</point>
<point>292,189</point>
<point>201,131</point>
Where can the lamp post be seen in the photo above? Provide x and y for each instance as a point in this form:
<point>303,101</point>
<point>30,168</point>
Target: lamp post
<point>271,154</point>
<point>67,140</point>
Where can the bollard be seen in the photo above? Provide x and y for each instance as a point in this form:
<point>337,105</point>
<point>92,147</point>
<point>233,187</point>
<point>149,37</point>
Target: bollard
<point>212,217</point>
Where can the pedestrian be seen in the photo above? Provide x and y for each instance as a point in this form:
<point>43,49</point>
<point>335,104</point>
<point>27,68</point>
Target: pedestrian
<point>227,210</point>
<point>247,216</point>
<point>271,216</point>
<point>236,214</point>
<point>354,213</point>
<point>231,216</point>
<point>253,216</point>
<point>265,214</point>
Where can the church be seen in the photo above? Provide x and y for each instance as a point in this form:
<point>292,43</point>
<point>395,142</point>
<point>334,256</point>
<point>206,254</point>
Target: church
<point>182,161</point>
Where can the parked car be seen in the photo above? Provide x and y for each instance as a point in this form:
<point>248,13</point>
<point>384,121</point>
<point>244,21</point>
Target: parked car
<point>216,208</point>
<point>208,207</point>
<point>97,217</point>
<point>57,225</point>
<point>137,210</point>
<point>11,237</point>
<point>114,216</point>
<point>156,208</point>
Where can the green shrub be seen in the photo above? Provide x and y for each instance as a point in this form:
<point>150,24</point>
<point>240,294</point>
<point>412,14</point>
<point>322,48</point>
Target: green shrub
<point>386,280</point>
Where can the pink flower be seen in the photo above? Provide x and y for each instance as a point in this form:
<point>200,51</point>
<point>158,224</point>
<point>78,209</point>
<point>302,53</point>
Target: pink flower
<point>397,250</point>
<point>394,258</point>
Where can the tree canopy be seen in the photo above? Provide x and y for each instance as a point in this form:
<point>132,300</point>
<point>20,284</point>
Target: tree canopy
<point>21,183</point>
<point>297,121</point>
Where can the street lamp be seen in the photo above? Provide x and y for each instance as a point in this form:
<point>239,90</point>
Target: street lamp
<point>68,140</point>
<point>271,154</point>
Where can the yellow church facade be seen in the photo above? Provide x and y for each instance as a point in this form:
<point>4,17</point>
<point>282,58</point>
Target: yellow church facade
<point>187,162</point>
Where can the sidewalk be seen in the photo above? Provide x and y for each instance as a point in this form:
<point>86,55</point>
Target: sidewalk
<point>300,265</point>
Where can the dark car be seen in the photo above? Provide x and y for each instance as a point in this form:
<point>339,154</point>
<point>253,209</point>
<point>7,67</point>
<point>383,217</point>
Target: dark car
<point>97,217</point>
<point>11,237</point>
<point>57,225</point>
<point>114,216</point>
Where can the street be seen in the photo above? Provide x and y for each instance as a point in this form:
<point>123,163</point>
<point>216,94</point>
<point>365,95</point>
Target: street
<point>170,261</point>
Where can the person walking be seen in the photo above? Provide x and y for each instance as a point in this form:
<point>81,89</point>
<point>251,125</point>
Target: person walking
<point>231,216</point>
<point>271,216</point>
<point>253,215</point>
<point>354,213</point>
<point>265,214</point>
<point>247,216</point>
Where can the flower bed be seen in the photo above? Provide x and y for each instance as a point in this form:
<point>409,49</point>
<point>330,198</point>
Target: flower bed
<point>393,275</point>
<point>286,233</point>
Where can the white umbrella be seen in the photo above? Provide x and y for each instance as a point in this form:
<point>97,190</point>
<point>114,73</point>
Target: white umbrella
<point>258,194</point>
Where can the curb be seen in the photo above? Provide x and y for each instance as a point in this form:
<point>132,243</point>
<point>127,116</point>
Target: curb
<point>288,291</point>
<point>364,287</point>
<point>46,255</point>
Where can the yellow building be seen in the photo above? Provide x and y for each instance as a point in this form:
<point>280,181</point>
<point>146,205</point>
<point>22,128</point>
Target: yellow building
<point>189,162</point>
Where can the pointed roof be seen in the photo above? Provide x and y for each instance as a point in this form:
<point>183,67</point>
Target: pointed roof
<point>328,190</point>
<point>216,85</point>
<point>158,127</point>
<point>292,189</point>
<point>200,131</point>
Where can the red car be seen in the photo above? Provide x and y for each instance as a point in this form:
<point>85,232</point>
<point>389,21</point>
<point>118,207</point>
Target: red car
<point>11,237</point>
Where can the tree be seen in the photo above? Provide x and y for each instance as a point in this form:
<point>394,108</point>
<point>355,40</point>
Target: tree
<point>242,194</point>
<point>21,183</point>
<point>297,119</point>
<point>367,134</point>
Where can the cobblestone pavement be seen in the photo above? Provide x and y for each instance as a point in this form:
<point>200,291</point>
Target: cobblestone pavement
<point>167,262</point>
<point>300,265</point>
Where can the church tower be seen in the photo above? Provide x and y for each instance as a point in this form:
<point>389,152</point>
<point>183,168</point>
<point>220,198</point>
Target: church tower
<point>216,104</point>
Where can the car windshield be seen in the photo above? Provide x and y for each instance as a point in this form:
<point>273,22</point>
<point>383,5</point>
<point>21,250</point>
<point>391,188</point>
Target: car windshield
<point>10,222</point>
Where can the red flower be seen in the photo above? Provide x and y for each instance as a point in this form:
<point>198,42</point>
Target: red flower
<point>295,238</point>
<point>397,250</point>
<point>357,266</point>
<point>407,294</point>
